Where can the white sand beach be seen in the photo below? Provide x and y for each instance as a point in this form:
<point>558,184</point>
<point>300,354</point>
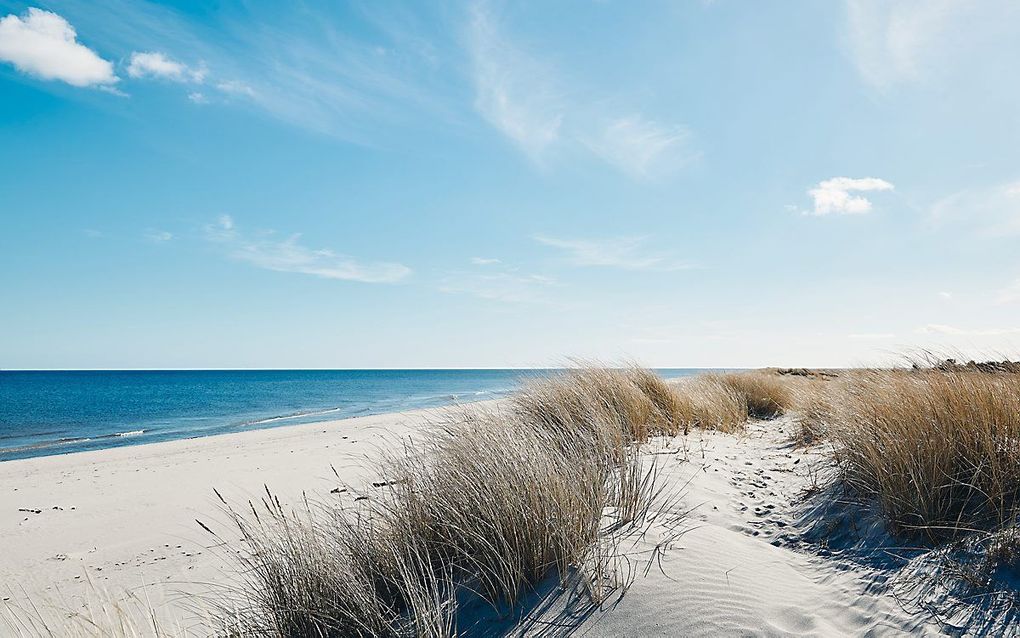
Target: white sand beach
<point>123,521</point>
<point>79,526</point>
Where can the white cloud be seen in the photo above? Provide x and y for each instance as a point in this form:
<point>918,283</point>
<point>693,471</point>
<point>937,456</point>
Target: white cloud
<point>507,287</point>
<point>158,236</point>
<point>153,64</point>
<point>198,97</point>
<point>938,328</point>
<point>832,196</point>
<point>871,336</point>
<point>44,44</point>
<point>641,147</point>
<point>289,255</point>
<point>512,90</point>
<point>236,87</point>
<point>947,296</point>
<point>484,261</point>
<point>627,253</point>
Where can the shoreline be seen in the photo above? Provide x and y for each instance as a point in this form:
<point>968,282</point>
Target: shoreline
<point>129,408</point>
<point>130,438</point>
<point>122,520</point>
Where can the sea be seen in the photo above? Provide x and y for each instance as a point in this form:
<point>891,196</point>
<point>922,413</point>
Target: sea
<point>59,412</point>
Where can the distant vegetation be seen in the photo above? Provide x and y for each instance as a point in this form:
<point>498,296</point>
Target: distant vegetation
<point>938,447</point>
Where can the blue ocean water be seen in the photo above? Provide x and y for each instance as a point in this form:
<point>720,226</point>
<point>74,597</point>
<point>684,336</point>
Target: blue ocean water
<point>44,412</point>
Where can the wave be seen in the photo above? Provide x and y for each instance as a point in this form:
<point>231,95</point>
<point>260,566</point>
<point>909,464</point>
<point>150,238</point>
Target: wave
<point>294,415</point>
<point>66,440</point>
<point>115,435</point>
<point>42,445</point>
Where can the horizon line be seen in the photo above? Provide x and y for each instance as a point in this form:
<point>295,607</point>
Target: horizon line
<point>381,369</point>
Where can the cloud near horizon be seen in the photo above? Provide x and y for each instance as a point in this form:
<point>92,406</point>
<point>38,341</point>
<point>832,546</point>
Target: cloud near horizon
<point>832,196</point>
<point>937,328</point>
<point>45,45</point>
<point>1009,294</point>
<point>289,255</point>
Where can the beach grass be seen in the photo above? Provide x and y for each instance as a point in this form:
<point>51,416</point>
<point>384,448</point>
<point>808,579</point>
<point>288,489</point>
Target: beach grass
<point>491,503</point>
<point>938,448</point>
<point>765,394</point>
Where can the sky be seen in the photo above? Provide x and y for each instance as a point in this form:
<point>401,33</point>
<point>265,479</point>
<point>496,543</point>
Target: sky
<point>486,184</point>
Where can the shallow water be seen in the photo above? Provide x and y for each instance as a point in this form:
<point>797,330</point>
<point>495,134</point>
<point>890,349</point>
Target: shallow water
<point>57,412</point>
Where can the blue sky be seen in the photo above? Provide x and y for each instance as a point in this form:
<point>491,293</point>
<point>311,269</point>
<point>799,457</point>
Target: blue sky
<point>382,184</point>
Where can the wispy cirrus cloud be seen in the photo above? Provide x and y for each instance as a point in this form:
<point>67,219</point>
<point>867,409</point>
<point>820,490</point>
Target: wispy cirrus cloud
<point>871,336</point>
<point>266,250</point>
<point>507,286</point>
<point>337,69</point>
<point>1009,294</point>
<point>158,236</point>
<point>890,42</point>
<point>523,97</point>
<point>627,253</point>
<point>937,328</point>
<point>45,45</point>
<point>990,211</point>
<point>641,147</point>
<point>914,41</point>
<point>833,196</point>
<point>513,91</point>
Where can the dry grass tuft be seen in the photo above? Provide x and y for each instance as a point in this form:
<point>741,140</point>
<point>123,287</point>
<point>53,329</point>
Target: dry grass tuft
<point>711,405</point>
<point>672,407</point>
<point>604,404</point>
<point>814,406</point>
<point>636,404</point>
<point>939,449</point>
<point>765,394</point>
<point>491,504</point>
